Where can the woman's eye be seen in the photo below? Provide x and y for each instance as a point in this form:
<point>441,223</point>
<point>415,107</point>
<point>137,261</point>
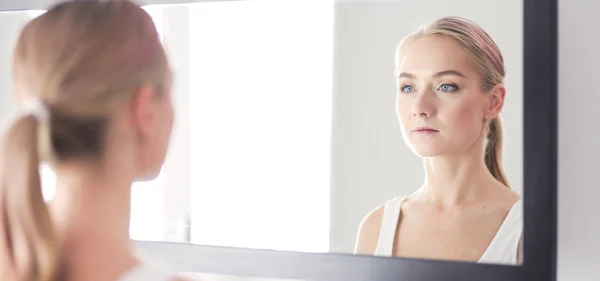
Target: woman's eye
<point>448,88</point>
<point>407,89</point>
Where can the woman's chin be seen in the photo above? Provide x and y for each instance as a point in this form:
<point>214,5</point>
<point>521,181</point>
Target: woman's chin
<point>427,152</point>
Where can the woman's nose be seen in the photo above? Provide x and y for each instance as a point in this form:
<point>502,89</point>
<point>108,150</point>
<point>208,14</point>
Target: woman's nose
<point>423,105</point>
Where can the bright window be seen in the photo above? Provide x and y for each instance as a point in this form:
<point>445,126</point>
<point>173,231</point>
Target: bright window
<point>261,123</point>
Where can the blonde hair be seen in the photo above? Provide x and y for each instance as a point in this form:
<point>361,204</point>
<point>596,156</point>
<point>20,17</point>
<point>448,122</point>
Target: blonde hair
<point>84,60</point>
<point>487,59</point>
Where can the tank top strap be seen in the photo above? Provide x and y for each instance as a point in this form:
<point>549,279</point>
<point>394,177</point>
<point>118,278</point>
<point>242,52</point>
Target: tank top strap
<point>389,224</point>
<point>505,245</point>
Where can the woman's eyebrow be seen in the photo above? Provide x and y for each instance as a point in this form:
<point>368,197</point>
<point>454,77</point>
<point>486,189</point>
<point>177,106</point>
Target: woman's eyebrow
<point>441,73</point>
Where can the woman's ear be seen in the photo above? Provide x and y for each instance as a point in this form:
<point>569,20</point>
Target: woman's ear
<point>495,101</point>
<point>142,112</point>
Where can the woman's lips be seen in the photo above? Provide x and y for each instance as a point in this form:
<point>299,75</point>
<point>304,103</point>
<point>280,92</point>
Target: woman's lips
<point>424,130</point>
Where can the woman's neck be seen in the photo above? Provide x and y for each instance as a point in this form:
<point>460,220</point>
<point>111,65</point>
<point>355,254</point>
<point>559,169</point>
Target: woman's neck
<point>91,214</point>
<point>452,180</point>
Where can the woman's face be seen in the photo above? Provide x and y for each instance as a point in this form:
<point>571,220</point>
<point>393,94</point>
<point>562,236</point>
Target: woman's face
<point>440,104</point>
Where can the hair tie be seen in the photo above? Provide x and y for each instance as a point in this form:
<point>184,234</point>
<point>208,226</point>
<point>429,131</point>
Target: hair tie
<point>36,108</point>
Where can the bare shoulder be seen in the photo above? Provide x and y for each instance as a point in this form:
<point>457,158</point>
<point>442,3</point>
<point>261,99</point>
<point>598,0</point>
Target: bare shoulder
<point>368,232</point>
<point>506,198</point>
<point>497,205</point>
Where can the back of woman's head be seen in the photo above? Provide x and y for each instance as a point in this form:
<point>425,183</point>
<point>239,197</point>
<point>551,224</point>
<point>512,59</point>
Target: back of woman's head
<point>489,63</point>
<point>83,61</point>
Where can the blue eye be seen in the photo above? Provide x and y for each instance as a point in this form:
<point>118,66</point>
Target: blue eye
<point>448,88</point>
<point>407,89</point>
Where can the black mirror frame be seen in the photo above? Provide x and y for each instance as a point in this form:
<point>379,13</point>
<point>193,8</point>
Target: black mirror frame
<point>540,190</point>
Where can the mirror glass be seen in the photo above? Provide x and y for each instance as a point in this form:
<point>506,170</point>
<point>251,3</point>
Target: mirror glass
<point>307,126</point>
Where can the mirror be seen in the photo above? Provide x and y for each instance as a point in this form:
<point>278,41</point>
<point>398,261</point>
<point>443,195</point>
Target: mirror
<point>288,138</point>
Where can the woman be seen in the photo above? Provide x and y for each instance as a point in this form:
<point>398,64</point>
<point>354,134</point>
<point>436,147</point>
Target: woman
<point>450,93</point>
<point>100,83</point>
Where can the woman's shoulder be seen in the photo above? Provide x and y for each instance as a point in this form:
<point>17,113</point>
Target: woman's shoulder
<point>374,217</point>
<point>505,199</point>
<point>370,227</point>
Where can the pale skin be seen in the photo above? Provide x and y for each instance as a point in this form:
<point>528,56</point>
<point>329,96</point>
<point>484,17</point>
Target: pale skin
<point>91,207</point>
<point>460,207</point>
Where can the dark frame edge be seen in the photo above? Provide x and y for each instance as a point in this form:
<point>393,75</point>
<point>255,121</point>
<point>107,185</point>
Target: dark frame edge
<point>540,138</point>
<point>314,267</point>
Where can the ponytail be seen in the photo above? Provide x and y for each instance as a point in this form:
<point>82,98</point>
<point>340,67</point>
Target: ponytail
<point>493,150</point>
<point>28,242</point>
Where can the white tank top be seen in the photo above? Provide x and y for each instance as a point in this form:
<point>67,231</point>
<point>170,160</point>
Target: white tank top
<point>502,250</point>
<point>146,273</point>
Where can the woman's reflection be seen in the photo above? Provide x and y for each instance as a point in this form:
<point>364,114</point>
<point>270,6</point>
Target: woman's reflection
<point>450,93</point>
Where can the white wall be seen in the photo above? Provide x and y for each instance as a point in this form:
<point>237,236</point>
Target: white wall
<point>370,161</point>
<point>578,141</point>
